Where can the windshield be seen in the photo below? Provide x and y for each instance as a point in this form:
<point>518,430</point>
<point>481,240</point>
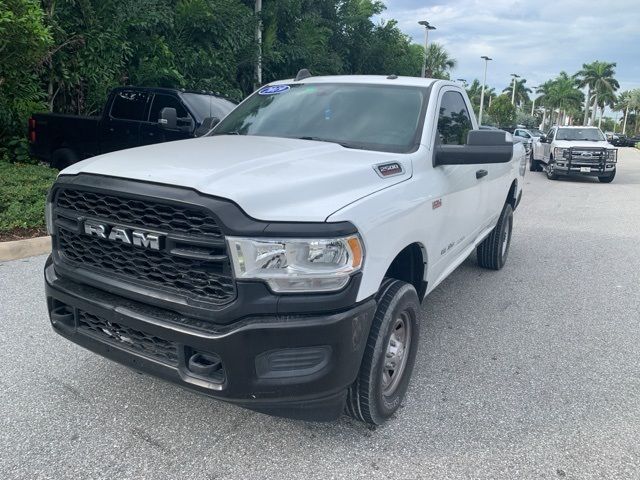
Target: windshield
<point>371,117</point>
<point>590,134</point>
<point>206,106</point>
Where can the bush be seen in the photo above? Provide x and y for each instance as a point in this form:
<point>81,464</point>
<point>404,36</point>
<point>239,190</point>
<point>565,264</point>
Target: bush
<point>17,151</point>
<point>23,191</point>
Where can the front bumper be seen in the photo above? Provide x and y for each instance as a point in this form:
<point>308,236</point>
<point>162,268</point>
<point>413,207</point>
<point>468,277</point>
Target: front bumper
<point>296,366</point>
<point>595,170</point>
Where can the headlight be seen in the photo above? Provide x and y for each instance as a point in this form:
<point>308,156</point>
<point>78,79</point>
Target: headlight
<point>297,265</point>
<point>612,155</point>
<point>558,152</point>
<point>48,217</point>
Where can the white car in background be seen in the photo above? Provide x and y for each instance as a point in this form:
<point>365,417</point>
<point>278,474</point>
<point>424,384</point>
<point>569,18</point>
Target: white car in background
<point>531,137</point>
<point>577,151</point>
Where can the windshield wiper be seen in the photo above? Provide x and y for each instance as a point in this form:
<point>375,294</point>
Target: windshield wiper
<point>318,139</point>
<point>234,132</point>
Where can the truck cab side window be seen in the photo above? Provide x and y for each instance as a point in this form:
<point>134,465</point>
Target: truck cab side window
<point>129,105</point>
<point>453,122</point>
<point>166,101</point>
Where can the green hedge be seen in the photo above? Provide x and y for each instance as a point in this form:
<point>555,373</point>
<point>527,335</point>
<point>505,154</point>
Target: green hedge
<point>23,189</point>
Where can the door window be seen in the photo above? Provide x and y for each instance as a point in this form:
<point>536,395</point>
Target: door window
<point>454,122</point>
<point>129,105</point>
<point>166,101</point>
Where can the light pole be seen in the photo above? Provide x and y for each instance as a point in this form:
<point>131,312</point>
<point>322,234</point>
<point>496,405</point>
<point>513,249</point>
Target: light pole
<point>513,93</point>
<point>484,81</point>
<point>427,27</point>
<point>533,104</point>
<point>258,67</point>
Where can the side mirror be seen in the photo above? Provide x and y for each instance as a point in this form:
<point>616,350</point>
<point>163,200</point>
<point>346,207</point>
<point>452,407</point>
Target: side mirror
<point>206,126</point>
<point>483,146</point>
<point>168,118</point>
<point>543,139</point>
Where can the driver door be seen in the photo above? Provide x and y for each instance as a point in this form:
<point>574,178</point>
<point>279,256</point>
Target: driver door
<point>457,195</point>
<point>546,147</point>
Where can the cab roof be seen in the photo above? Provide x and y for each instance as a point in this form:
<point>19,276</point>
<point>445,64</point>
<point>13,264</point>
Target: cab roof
<point>365,79</point>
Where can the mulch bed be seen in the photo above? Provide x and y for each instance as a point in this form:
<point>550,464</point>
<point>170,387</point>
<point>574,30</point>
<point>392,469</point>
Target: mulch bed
<point>22,233</point>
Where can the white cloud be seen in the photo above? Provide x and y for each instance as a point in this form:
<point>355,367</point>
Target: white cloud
<point>534,39</point>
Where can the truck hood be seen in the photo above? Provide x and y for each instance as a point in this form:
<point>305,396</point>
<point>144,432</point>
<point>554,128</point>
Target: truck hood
<point>273,179</point>
<point>581,143</point>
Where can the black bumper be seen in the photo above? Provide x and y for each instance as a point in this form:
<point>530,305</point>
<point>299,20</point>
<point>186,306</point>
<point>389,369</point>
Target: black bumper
<point>296,366</point>
<point>595,171</point>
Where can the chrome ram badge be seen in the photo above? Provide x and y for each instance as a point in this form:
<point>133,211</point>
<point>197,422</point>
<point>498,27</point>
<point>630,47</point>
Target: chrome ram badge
<point>128,236</point>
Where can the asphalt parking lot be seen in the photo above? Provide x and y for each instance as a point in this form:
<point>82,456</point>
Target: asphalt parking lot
<point>530,372</point>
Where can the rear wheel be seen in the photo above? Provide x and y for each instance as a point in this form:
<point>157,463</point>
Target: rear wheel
<point>63,157</point>
<point>493,251</point>
<point>608,178</point>
<point>389,355</point>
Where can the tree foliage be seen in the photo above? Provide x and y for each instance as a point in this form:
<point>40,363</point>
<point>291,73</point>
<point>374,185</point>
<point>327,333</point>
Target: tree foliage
<point>65,55</point>
<point>502,111</point>
<point>24,40</point>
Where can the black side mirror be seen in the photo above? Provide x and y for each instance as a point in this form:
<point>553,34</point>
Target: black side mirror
<point>168,118</point>
<point>543,139</point>
<point>206,126</point>
<point>483,146</point>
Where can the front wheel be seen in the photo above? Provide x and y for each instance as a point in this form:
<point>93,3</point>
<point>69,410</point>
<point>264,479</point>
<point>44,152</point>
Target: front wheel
<point>551,172</point>
<point>493,251</point>
<point>389,355</point>
<point>608,178</point>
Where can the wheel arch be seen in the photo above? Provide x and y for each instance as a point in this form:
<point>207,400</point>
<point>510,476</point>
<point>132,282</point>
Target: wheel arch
<point>410,265</point>
<point>512,196</point>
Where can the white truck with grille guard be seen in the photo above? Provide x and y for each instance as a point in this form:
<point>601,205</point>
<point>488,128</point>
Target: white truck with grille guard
<point>580,151</point>
<point>279,263</point>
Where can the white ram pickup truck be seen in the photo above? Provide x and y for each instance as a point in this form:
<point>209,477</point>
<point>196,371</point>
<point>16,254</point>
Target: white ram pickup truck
<point>574,151</point>
<point>279,263</point>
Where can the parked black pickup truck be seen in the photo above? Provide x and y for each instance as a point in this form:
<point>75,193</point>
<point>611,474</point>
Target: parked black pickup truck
<point>132,116</point>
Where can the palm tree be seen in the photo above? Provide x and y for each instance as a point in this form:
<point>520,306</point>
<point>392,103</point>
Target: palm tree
<point>522,92</point>
<point>439,63</point>
<point>628,100</point>
<point>598,77</point>
<point>561,93</point>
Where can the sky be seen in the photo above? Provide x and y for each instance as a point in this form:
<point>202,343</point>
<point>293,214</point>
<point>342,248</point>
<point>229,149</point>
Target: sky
<point>534,39</point>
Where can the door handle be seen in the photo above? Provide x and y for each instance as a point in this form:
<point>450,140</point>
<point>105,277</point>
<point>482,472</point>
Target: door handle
<point>481,173</point>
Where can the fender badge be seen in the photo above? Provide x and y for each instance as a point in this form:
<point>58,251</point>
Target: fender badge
<point>436,204</point>
<point>385,170</point>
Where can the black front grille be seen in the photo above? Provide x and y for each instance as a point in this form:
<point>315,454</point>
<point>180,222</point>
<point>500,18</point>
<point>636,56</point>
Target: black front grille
<point>152,215</point>
<point>201,271</point>
<point>149,345</point>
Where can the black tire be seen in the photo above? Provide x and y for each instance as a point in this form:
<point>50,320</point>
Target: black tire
<point>551,174</point>
<point>63,157</point>
<point>493,251</point>
<point>608,178</point>
<point>534,165</point>
<point>371,398</point>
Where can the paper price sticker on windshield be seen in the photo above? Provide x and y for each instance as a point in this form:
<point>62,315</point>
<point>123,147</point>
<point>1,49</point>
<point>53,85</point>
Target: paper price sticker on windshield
<point>274,90</point>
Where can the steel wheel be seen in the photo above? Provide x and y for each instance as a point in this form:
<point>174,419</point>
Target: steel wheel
<point>396,354</point>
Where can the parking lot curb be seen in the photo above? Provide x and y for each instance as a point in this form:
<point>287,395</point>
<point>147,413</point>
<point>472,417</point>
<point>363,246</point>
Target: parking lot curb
<point>30,247</point>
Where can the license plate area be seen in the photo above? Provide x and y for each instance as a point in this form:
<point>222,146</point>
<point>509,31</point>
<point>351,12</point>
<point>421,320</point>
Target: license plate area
<point>585,169</point>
